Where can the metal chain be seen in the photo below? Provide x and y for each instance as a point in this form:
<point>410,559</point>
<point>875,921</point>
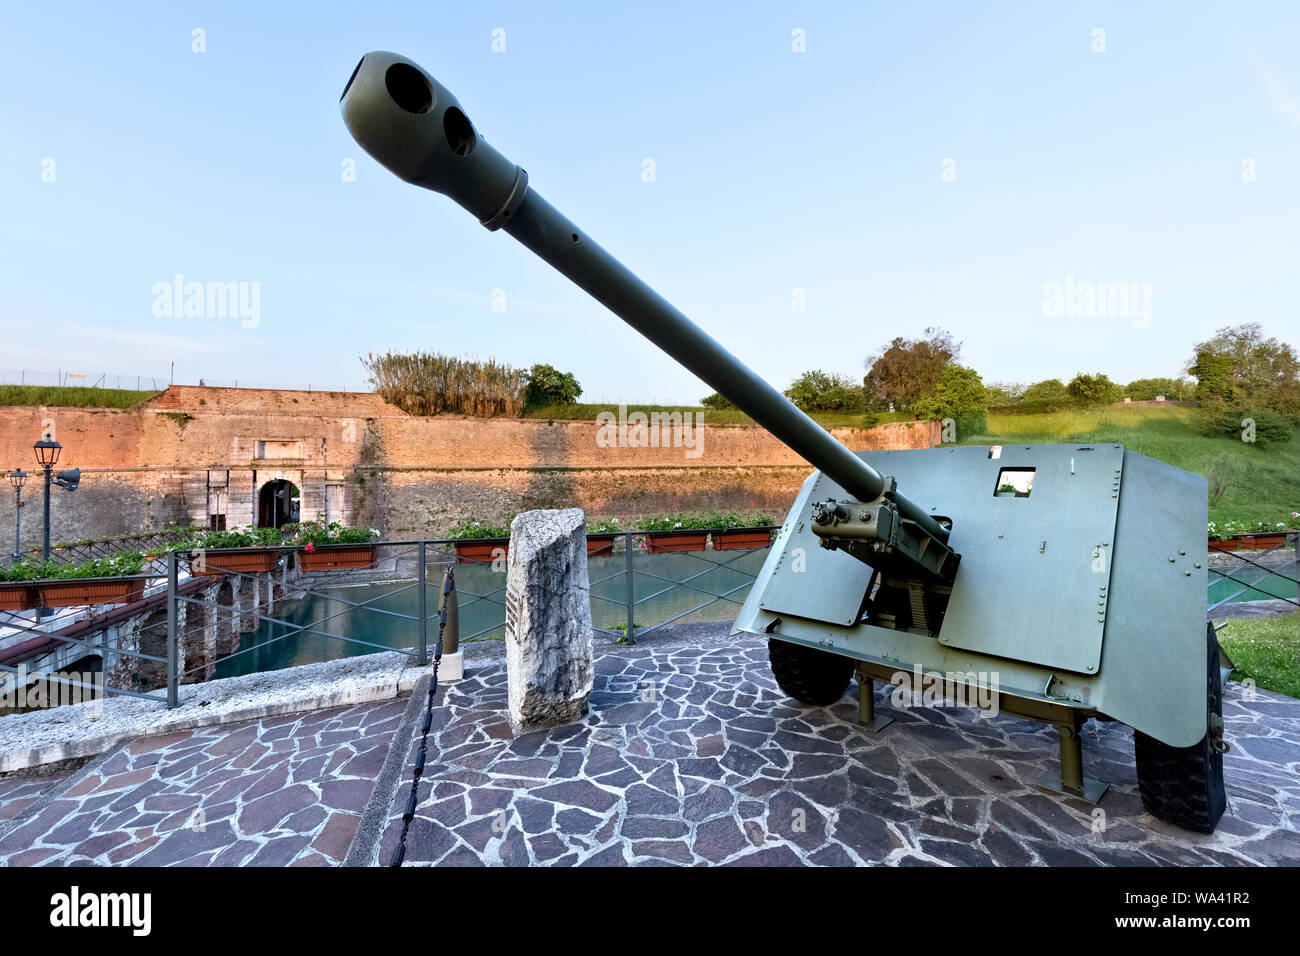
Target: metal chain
<point>399,853</point>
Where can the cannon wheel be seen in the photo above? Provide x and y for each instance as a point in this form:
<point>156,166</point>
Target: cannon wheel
<point>809,675</point>
<point>1184,785</point>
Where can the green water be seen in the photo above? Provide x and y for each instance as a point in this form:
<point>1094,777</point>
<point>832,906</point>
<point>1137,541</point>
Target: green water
<point>482,617</point>
<point>1263,584</point>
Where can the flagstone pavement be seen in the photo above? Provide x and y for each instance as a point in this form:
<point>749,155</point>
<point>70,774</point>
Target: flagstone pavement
<point>690,755</point>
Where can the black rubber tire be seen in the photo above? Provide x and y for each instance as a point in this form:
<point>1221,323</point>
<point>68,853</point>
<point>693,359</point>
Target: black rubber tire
<point>1184,785</point>
<point>812,676</point>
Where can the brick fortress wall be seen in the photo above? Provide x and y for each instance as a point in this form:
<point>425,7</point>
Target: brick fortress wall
<point>192,452</point>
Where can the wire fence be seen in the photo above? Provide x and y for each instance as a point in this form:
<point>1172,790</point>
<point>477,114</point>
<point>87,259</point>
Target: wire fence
<point>124,381</point>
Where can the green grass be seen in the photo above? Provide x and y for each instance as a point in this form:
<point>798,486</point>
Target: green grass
<point>73,396</point>
<point>1266,650</point>
<point>711,416</point>
<point>1255,483</point>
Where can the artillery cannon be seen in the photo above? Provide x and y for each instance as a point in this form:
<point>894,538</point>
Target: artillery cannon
<point>1079,595</point>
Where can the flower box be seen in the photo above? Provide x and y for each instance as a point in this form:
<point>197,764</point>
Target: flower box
<point>481,550</point>
<point>250,561</point>
<point>600,544</point>
<point>663,541</point>
<point>741,540</point>
<point>17,596</point>
<point>73,592</point>
<point>337,557</point>
<point>1261,542</point>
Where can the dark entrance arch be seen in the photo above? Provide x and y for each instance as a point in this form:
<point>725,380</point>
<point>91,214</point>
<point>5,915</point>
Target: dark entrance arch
<point>277,504</point>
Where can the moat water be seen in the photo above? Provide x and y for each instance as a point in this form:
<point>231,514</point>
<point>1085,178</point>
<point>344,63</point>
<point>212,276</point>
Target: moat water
<point>481,594</point>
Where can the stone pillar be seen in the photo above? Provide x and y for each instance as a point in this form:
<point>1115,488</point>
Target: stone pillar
<point>548,619</point>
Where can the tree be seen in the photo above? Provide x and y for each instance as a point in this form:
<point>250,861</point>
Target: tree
<point>1002,394</point>
<point>1213,374</point>
<point>1048,392</point>
<point>960,395</point>
<point>1146,389</point>
<point>818,391</point>
<point>1094,390</point>
<point>550,386</point>
<point>909,368</point>
<point>1258,365</point>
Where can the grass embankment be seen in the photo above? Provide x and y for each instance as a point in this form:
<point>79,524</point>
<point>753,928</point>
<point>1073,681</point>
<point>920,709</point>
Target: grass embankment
<point>73,396</point>
<point>1247,482</point>
<point>1266,650</point>
<point>709,416</point>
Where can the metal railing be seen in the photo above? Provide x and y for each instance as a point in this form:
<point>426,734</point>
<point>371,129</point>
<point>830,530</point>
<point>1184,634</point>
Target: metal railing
<point>1272,573</point>
<point>180,579</point>
<point>75,552</point>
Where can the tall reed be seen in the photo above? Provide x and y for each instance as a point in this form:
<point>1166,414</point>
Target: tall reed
<point>427,383</point>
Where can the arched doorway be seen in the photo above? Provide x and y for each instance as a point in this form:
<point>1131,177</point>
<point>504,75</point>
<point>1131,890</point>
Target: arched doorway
<point>278,504</point>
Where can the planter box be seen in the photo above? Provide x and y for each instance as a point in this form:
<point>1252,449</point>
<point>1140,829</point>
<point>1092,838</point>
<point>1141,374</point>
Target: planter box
<point>73,592</point>
<point>741,540</point>
<point>600,544</point>
<point>481,550</point>
<point>251,561</point>
<point>17,596</point>
<point>331,557</point>
<point>1261,542</point>
<point>663,541</point>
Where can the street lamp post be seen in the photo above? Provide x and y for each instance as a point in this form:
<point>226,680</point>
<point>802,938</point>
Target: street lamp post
<point>47,455</point>
<point>16,478</point>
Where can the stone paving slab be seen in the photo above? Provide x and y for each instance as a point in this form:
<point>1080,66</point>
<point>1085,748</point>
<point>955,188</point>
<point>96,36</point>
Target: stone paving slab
<point>717,766</point>
<point>281,791</point>
<point>20,791</point>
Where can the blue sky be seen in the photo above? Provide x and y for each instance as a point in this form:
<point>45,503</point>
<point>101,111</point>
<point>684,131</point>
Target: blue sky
<point>775,170</point>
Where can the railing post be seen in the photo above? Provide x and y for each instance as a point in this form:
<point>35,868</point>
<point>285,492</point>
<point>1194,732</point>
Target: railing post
<point>172,611</point>
<point>631,586</point>
<point>422,573</point>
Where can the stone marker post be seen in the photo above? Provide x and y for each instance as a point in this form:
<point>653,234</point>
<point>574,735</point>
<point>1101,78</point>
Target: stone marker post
<point>548,619</point>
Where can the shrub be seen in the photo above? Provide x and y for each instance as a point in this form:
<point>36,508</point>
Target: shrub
<point>959,395</point>
<point>549,386</point>
<point>716,401</point>
<point>1094,390</point>
<point>1263,425</point>
<point>818,391</point>
<point>1050,394</point>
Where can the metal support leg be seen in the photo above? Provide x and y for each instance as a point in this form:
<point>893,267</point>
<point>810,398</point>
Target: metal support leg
<point>173,677</point>
<point>422,607</point>
<point>1068,777</point>
<point>867,706</point>
<point>630,633</point>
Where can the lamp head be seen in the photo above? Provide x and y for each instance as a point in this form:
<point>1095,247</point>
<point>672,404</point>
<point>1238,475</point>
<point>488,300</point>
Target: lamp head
<point>47,452</point>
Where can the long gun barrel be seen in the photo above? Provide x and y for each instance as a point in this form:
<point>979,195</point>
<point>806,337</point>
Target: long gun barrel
<point>415,127</point>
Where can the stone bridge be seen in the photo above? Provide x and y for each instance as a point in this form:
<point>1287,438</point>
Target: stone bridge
<point>110,641</point>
